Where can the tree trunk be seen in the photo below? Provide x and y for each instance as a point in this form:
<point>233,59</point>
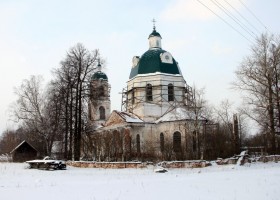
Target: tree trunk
<point>71,125</point>
<point>66,125</point>
<point>271,116</point>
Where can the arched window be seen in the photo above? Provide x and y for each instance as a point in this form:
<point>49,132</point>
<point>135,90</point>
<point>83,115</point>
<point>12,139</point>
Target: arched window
<point>101,91</point>
<point>194,141</point>
<point>177,141</point>
<point>149,92</point>
<point>170,92</point>
<point>118,144</point>
<point>101,112</point>
<point>138,143</point>
<point>133,96</point>
<point>127,140</point>
<point>161,142</point>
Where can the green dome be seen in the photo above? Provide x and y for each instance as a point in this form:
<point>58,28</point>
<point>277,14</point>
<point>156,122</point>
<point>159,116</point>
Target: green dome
<point>99,75</point>
<point>154,33</point>
<point>150,62</point>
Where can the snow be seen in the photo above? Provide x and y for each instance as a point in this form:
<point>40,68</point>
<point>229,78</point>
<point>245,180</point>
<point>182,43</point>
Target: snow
<point>160,170</point>
<point>242,154</point>
<point>157,73</point>
<point>5,158</point>
<point>129,117</point>
<point>254,181</point>
<point>177,114</point>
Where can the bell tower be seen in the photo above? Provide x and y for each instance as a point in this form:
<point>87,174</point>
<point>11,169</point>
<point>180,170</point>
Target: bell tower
<point>99,103</point>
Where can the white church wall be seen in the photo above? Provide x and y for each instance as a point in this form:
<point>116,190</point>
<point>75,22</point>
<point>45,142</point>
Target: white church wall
<point>152,110</point>
<point>150,135</point>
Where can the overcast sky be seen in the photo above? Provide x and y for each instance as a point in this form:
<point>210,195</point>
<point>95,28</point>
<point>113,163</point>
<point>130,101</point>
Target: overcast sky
<point>35,36</point>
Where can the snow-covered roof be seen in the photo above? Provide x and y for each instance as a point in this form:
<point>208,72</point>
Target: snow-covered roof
<point>156,73</point>
<point>21,144</point>
<point>57,147</point>
<point>129,117</point>
<point>178,114</point>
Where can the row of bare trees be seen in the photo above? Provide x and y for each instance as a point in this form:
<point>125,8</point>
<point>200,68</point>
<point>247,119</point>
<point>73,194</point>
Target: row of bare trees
<point>71,82</point>
<point>59,112</point>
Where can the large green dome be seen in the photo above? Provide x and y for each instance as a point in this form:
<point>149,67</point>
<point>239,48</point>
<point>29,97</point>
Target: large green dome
<point>151,62</point>
<point>99,75</point>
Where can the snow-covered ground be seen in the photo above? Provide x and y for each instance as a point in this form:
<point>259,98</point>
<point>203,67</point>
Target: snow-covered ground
<point>255,181</point>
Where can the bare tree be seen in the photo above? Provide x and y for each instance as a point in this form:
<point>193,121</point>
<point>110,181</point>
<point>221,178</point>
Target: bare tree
<point>73,78</point>
<point>29,108</point>
<point>202,113</point>
<point>9,140</point>
<point>257,78</point>
<point>38,112</point>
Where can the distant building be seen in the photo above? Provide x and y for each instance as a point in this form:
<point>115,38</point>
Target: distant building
<point>158,120</point>
<point>23,152</point>
<point>57,150</point>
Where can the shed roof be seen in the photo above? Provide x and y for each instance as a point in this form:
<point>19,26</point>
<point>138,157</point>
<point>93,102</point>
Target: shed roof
<point>24,141</point>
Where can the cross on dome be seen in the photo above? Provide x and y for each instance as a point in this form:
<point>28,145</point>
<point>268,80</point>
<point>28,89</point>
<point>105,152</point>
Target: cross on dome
<point>99,65</point>
<point>154,23</point>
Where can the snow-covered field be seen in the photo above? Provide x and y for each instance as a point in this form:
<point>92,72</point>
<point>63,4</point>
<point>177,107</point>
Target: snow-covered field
<point>255,181</point>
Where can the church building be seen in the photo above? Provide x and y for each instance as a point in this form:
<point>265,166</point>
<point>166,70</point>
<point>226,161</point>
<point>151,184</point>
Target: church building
<point>158,120</point>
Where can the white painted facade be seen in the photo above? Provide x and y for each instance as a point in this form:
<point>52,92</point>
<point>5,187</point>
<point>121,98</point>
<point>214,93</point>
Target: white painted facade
<point>150,111</point>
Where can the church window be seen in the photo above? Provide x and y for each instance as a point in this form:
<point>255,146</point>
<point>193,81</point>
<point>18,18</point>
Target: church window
<point>157,43</point>
<point>177,141</point>
<point>138,143</point>
<point>194,141</point>
<point>170,92</point>
<point>149,92</point>
<point>127,140</point>
<point>133,97</point>
<point>101,91</point>
<point>102,112</point>
<point>161,142</point>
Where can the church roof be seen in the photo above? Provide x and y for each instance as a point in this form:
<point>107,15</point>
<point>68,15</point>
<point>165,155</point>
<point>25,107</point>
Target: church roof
<point>99,75</point>
<point>179,114</point>
<point>154,33</point>
<point>119,118</point>
<point>150,62</point>
<point>22,143</point>
<point>129,117</point>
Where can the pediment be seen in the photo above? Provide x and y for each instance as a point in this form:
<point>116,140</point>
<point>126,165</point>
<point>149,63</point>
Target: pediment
<point>114,119</point>
<point>120,117</point>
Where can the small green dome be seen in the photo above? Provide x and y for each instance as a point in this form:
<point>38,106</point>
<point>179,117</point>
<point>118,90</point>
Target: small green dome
<point>99,75</point>
<point>154,33</point>
<point>151,62</point>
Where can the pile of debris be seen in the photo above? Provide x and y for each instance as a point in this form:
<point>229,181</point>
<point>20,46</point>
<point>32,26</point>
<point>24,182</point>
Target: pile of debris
<point>244,157</point>
<point>240,159</point>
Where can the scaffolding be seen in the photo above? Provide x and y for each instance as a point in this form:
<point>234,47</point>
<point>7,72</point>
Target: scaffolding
<point>183,95</point>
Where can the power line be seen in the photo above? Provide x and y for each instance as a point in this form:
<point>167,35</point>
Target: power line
<point>254,15</point>
<point>243,17</point>
<point>224,21</point>
<point>235,19</point>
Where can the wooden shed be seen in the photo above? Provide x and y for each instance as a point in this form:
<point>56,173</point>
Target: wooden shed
<point>23,152</point>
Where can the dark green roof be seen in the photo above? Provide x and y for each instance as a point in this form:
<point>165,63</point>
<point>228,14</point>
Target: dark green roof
<point>154,33</point>
<point>150,62</point>
<point>99,75</point>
